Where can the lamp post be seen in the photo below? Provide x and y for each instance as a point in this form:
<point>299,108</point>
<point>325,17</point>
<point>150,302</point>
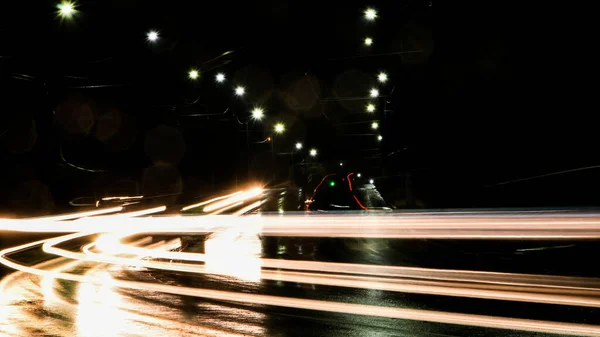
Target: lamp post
<point>256,115</point>
<point>298,148</point>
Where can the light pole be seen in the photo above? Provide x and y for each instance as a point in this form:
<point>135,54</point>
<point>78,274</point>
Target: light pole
<point>298,148</point>
<point>256,115</point>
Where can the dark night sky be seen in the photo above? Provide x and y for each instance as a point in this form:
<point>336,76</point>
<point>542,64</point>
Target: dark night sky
<point>495,92</point>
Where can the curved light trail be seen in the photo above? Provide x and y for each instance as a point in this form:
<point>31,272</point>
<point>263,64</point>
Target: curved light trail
<point>227,231</point>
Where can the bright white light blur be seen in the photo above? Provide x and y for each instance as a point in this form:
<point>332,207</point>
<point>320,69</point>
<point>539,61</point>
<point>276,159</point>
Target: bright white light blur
<point>109,243</point>
<point>368,41</point>
<point>370,14</point>
<point>233,199</point>
<point>220,77</point>
<point>382,77</point>
<point>66,9</point>
<point>341,164</point>
<point>298,146</point>
<point>374,93</point>
<point>313,152</point>
<point>279,127</point>
<point>371,181</point>
<point>193,74</point>
<point>240,91</point>
<point>375,126</point>
<point>232,254</point>
<point>258,113</point>
<point>370,108</point>
<point>379,138</point>
<point>359,175</point>
<point>152,36</point>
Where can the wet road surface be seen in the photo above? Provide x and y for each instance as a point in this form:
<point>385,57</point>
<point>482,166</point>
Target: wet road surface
<point>373,278</point>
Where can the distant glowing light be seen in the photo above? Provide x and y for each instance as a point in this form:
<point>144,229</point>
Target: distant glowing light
<point>193,74</point>
<point>313,152</point>
<point>374,93</point>
<point>220,77</point>
<point>368,41</point>
<point>152,36</point>
<point>359,175</point>
<point>380,138</point>
<point>258,113</point>
<point>240,91</point>
<point>66,9</point>
<point>370,14</point>
<point>375,126</point>
<point>332,183</point>
<point>371,181</point>
<point>279,127</point>
<point>370,107</point>
<point>298,146</point>
<point>341,164</point>
<point>382,77</point>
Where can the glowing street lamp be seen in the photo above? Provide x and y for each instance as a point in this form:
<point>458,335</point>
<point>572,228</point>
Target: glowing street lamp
<point>240,91</point>
<point>370,14</point>
<point>152,36</point>
<point>279,128</point>
<point>370,107</point>
<point>368,41</point>
<point>382,77</point>
<point>66,9</point>
<point>258,113</point>
<point>341,164</point>
<point>298,146</point>
<point>371,181</point>
<point>193,74</point>
<point>380,138</point>
<point>359,175</point>
<point>374,125</point>
<point>220,77</point>
<point>374,93</point>
<point>313,152</point>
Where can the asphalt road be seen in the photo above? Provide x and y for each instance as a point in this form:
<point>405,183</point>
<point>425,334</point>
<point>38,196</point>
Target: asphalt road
<point>325,274</point>
<point>43,306</point>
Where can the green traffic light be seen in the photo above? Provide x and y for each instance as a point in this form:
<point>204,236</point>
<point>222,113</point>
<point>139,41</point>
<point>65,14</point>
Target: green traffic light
<point>332,183</point>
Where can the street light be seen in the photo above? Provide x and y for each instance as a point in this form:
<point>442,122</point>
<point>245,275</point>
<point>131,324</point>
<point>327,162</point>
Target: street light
<point>375,126</point>
<point>152,36</point>
<point>382,77</point>
<point>279,128</point>
<point>380,137</point>
<point>298,146</point>
<point>370,107</point>
<point>220,77</point>
<point>258,113</point>
<point>370,14</point>
<point>368,41</point>
<point>66,9</point>
<point>371,181</point>
<point>358,175</point>
<point>193,74</point>
<point>374,93</point>
<point>313,152</point>
<point>341,164</point>
<point>240,91</point>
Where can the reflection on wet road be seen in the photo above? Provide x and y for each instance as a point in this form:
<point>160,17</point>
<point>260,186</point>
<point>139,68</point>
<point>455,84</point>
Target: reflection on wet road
<point>224,277</point>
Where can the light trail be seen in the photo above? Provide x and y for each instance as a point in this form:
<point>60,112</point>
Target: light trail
<point>372,225</point>
<point>535,293</point>
<point>560,290</point>
<point>255,192</point>
<point>337,307</point>
<point>128,311</point>
<point>45,224</point>
<point>186,208</point>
